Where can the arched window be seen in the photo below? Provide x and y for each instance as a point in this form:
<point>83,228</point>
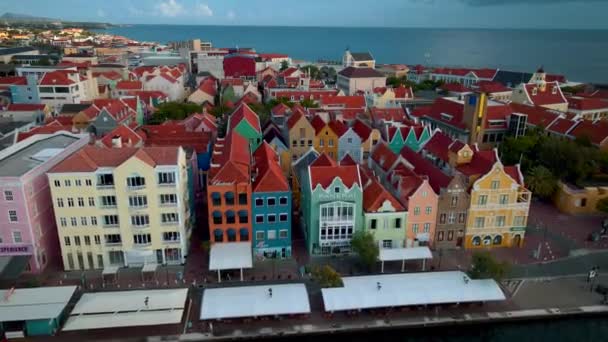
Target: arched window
<point>229,196</point>
<point>243,234</point>
<point>216,198</point>
<point>243,216</point>
<point>217,217</point>
<point>218,235</point>
<point>497,240</point>
<point>476,241</point>
<point>231,235</point>
<point>230,217</point>
<point>487,240</point>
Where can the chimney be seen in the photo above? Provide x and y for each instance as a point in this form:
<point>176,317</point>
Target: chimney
<point>117,142</point>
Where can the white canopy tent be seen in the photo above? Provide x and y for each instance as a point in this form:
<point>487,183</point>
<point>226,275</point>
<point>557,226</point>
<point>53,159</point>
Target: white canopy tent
<point>394,290</point>
<point>127,308</point>
<point>230,256</point>
<point>34,303</point>
<point>404,254</point>
<point>254,301</point>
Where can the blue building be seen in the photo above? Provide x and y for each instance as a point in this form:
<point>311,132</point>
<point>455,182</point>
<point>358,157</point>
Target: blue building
<point>27,93</point>
<point>271,206</point>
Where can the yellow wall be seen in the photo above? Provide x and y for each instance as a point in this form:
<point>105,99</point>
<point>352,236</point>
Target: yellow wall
<point>493,209</point>
<point>368,145</point>
<point>574,201</point>
<point>297,149</point>
<point>327,136</point>
<point>151,190</point>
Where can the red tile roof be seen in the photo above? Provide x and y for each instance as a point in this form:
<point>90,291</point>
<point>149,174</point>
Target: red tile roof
<point>480,164</point>
<point>324,160</point>
<point>324,173</point>
<point>597,132</point>
<point>208,87</point>
<point>338,127</point>
<point>497,112</point>
<point>280,110</point>
<point>49,128</point>
<point>13,80</point>
<point>270,177</point>
<point>175,135</point>
<point>231,82</point>
<point>455,88</point>
<point>551,95</point>
<point>388,114</point>
<point>347,160</point>
<point>537,115</point>
<point>423,167</point>
<point>248,98</point>
<point>383,156</point>
<point>56,78</point>
<point>343,101</point>
<point>110,75</point>
<point>230,162</point>
<point>444,110</point>
<point>25,107</point>
<point>294,118</point>
<point>90,158</point>
<point>298,94</point>
<point>403,92</point>
<point>375,195</point>
<point>562,126</point>
<point>587,103</point>
<point>127,136</point>
<point>318,124</point>
<point>362,129</point>
<point>129,85</point>
<point>600,93</point>
<point>288,72</point>
<point>438,146</point>
<point>491,87</point>
<point>243,112</point>
<point>515,173</point>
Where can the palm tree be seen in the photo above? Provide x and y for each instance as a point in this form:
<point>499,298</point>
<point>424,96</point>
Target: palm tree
<point>541,181</point>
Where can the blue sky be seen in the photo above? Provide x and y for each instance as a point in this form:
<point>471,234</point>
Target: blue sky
<point>576,14</point>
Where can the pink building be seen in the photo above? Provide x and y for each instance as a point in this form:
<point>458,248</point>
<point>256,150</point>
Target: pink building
<point>28,234</point>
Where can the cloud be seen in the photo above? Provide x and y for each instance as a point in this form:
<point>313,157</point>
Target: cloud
<point>101,13</point>
<point>480,3</point>
<point>231,15</point>
<point>203,10</point>
<point>169,8</point>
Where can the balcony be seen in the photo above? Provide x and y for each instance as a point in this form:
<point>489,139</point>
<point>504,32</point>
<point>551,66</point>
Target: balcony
<point>142,245</point>
<point>172,242</point>
<point>138,207</point>
<point>113,244</point>
<point>168,205</point>
<point>110,226</point>
<point>167,185</point>
<point>169,223</point>
<point>105,186</point>
<point>135,187</point>
<point>144,226</point>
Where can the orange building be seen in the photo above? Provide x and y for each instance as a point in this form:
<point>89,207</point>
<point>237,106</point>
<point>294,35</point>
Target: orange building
<point>326,140</point>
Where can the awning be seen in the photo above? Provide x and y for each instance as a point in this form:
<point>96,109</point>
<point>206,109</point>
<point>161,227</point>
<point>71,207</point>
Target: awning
<point>110,270</point>
<point>230,256</point>
<point>35,303</point>
<point>254,301</point>
<point>148,268</point>
<point>413,253</point>
<point>11,267</point>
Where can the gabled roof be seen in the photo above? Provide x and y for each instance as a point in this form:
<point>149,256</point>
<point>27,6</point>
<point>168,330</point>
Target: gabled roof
<point>128,137</point>
<point>338,127</point>
<point>280,110</point>
<point>362,129</point>
<point>597,131</point>
<point>25,107</point>
<point>586,103</point>
<point>318,124</point>
<point>423,167</point>
<point>230,161</point>
<point>438,146</point>
<point>243,112</point>
<point>90,158</point>
<point>552,94</point>
<point>324,160</point>
<point>403,92</point>
<point>129,85</point>
<point>383,156</point>
<point>323,172</point>
<point>348,160</point>
<point>480,164</point>
<point>388,114</point>
<point>375,195</point>
<point>352,72</point>
<point>562,126</point>
<point>354,101</point>
<point>294,118</point>
<point>208,87</point>
<point>270,177</point>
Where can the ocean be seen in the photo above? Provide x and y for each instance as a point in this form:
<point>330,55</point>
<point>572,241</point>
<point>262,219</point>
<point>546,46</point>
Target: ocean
<point>581,55</point>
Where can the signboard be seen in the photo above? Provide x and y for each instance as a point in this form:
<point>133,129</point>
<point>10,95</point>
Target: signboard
<point>16,250</point>
<point>517,229</point>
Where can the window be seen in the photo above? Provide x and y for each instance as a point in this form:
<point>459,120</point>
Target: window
<point>440,235</point>
<point>259,235</point>
<point>282,200</point>
<point>230,218</point>
<point>416,211</point>
<point>57,183</point>
<point>480,222</point>
<point>8,195</point>
<point>136,182</point>
<point>138,201</point>
<point>373,224</point>
<point>73,221</point>
<point>302,133</point>
<point>166,178</point>
<point>229,198</point>
<point>105,180</point>
<point>259,218</point>
<point>429,210</point>
<point>321,143</point>
<point>242,199</point>
<point>519,221</point>
<point>283,234</point>
<point>12,216</point>
<point>397,223</point>
<point>169,218</point>
<point>331,143</point>
<point>337,189</point>
<point>272,234</point>
<point>77,240</point>
<point>60,202</point>
<point>454,201</point>
<point>97,240</point>
<point>70,202</point>
<point>67,182</point>
<point>387,243</point>
<point>450,235</point>
<point>415,228</point>
<point>110,220</point>
<point>425,193</point>
<point>63,221</point>
<point>500,221</point>
<point>442,218</point>
<point>171,236</point>
<point>91,201</point>
<point>452,218</point>
<point>140,220</point>
<point>309,143</point>
<point>93,220</point>
<point>142,239</point>
<point>461,217</point>
<point>108,201</point>
<point>17,237</point>
<point>504,199</point>
<point>282,217</point>
<point>83,220</point>
<point>243,216</point>
<point>259,202</point>
<point>427,227</point>
<point>272,218</point>
<point>497,240</point>
<point>78,182</point>
<point>87,240</point>
<point>81,201</point>
<point>495,185</point>
<point>168,199</point>
<point>66,241</point>
<point>88,182</point>
<point>271,201</point>
<point>482,200</point>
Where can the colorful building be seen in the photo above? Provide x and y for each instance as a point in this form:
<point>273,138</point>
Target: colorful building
<point>246,123</point>
<point>384,216</point>
<point>122,207</point>
<point>301,134</point>
<point>369,137</point>
<point>331,203</point>
<point>326,139</point>
<point>229,190</point>
<point>349,142</point>
<point>413,137</point>
<point>271,206</point>
<point>28,233</point>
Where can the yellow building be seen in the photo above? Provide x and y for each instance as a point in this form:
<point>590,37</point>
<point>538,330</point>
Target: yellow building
<point>498,214</point>
<point>122,207</point>
<point>574,200</point>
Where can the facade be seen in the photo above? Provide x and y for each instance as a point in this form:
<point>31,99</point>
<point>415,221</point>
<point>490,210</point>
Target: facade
<point>205,92</point>
<point>301,133</point>
<point>369,138</point>
<point>135,209</point>
<point>326,139</point>
<point>354,79</point>
<point>246,123</point>
<point>358,59</point>
<point>240,66</point>
<point>349,143</point>
<point>541,92</point>
<point>331,204</point>
<point>384,216</point>
<point>588,108</point>
<point>498,214</point>
<point>25,93</point>
<point>229,190</point>
<point>271,206</point>
<point>413,137</point>
<point>60,87</point>
<point>573,200</point>
<point>452,208</point>
<point>27,225</point>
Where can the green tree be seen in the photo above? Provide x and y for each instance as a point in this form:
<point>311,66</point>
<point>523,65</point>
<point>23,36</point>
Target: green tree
<point>272,103</point>
<point>366,248</point>
<point>485,266</point>
<point>312,71</point>
<point>602,205</point>
<point>327,277</point>
<point>284,65</point>
<point>308,103</point>
<point>263,111</point>
<point>393,81</point>
<point>174,111</point>
<point>541,181</point>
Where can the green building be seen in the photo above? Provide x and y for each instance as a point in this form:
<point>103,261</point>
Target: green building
<point>384,217</point>
<point>414,137</point>
<point>247,124</point>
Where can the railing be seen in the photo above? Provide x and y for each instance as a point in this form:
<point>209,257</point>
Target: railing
<point>141,226</point>
<point>167,184</point>
<point>172,241</point>
<point>495,206</point>
<point>169,223</point>
<point>138,207</point>
<point>111,206</point>
<point>110,225</point>
<point>135,187</point>
<point>105,186</point>
<point>168,204</point>
<point>113,244</point>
